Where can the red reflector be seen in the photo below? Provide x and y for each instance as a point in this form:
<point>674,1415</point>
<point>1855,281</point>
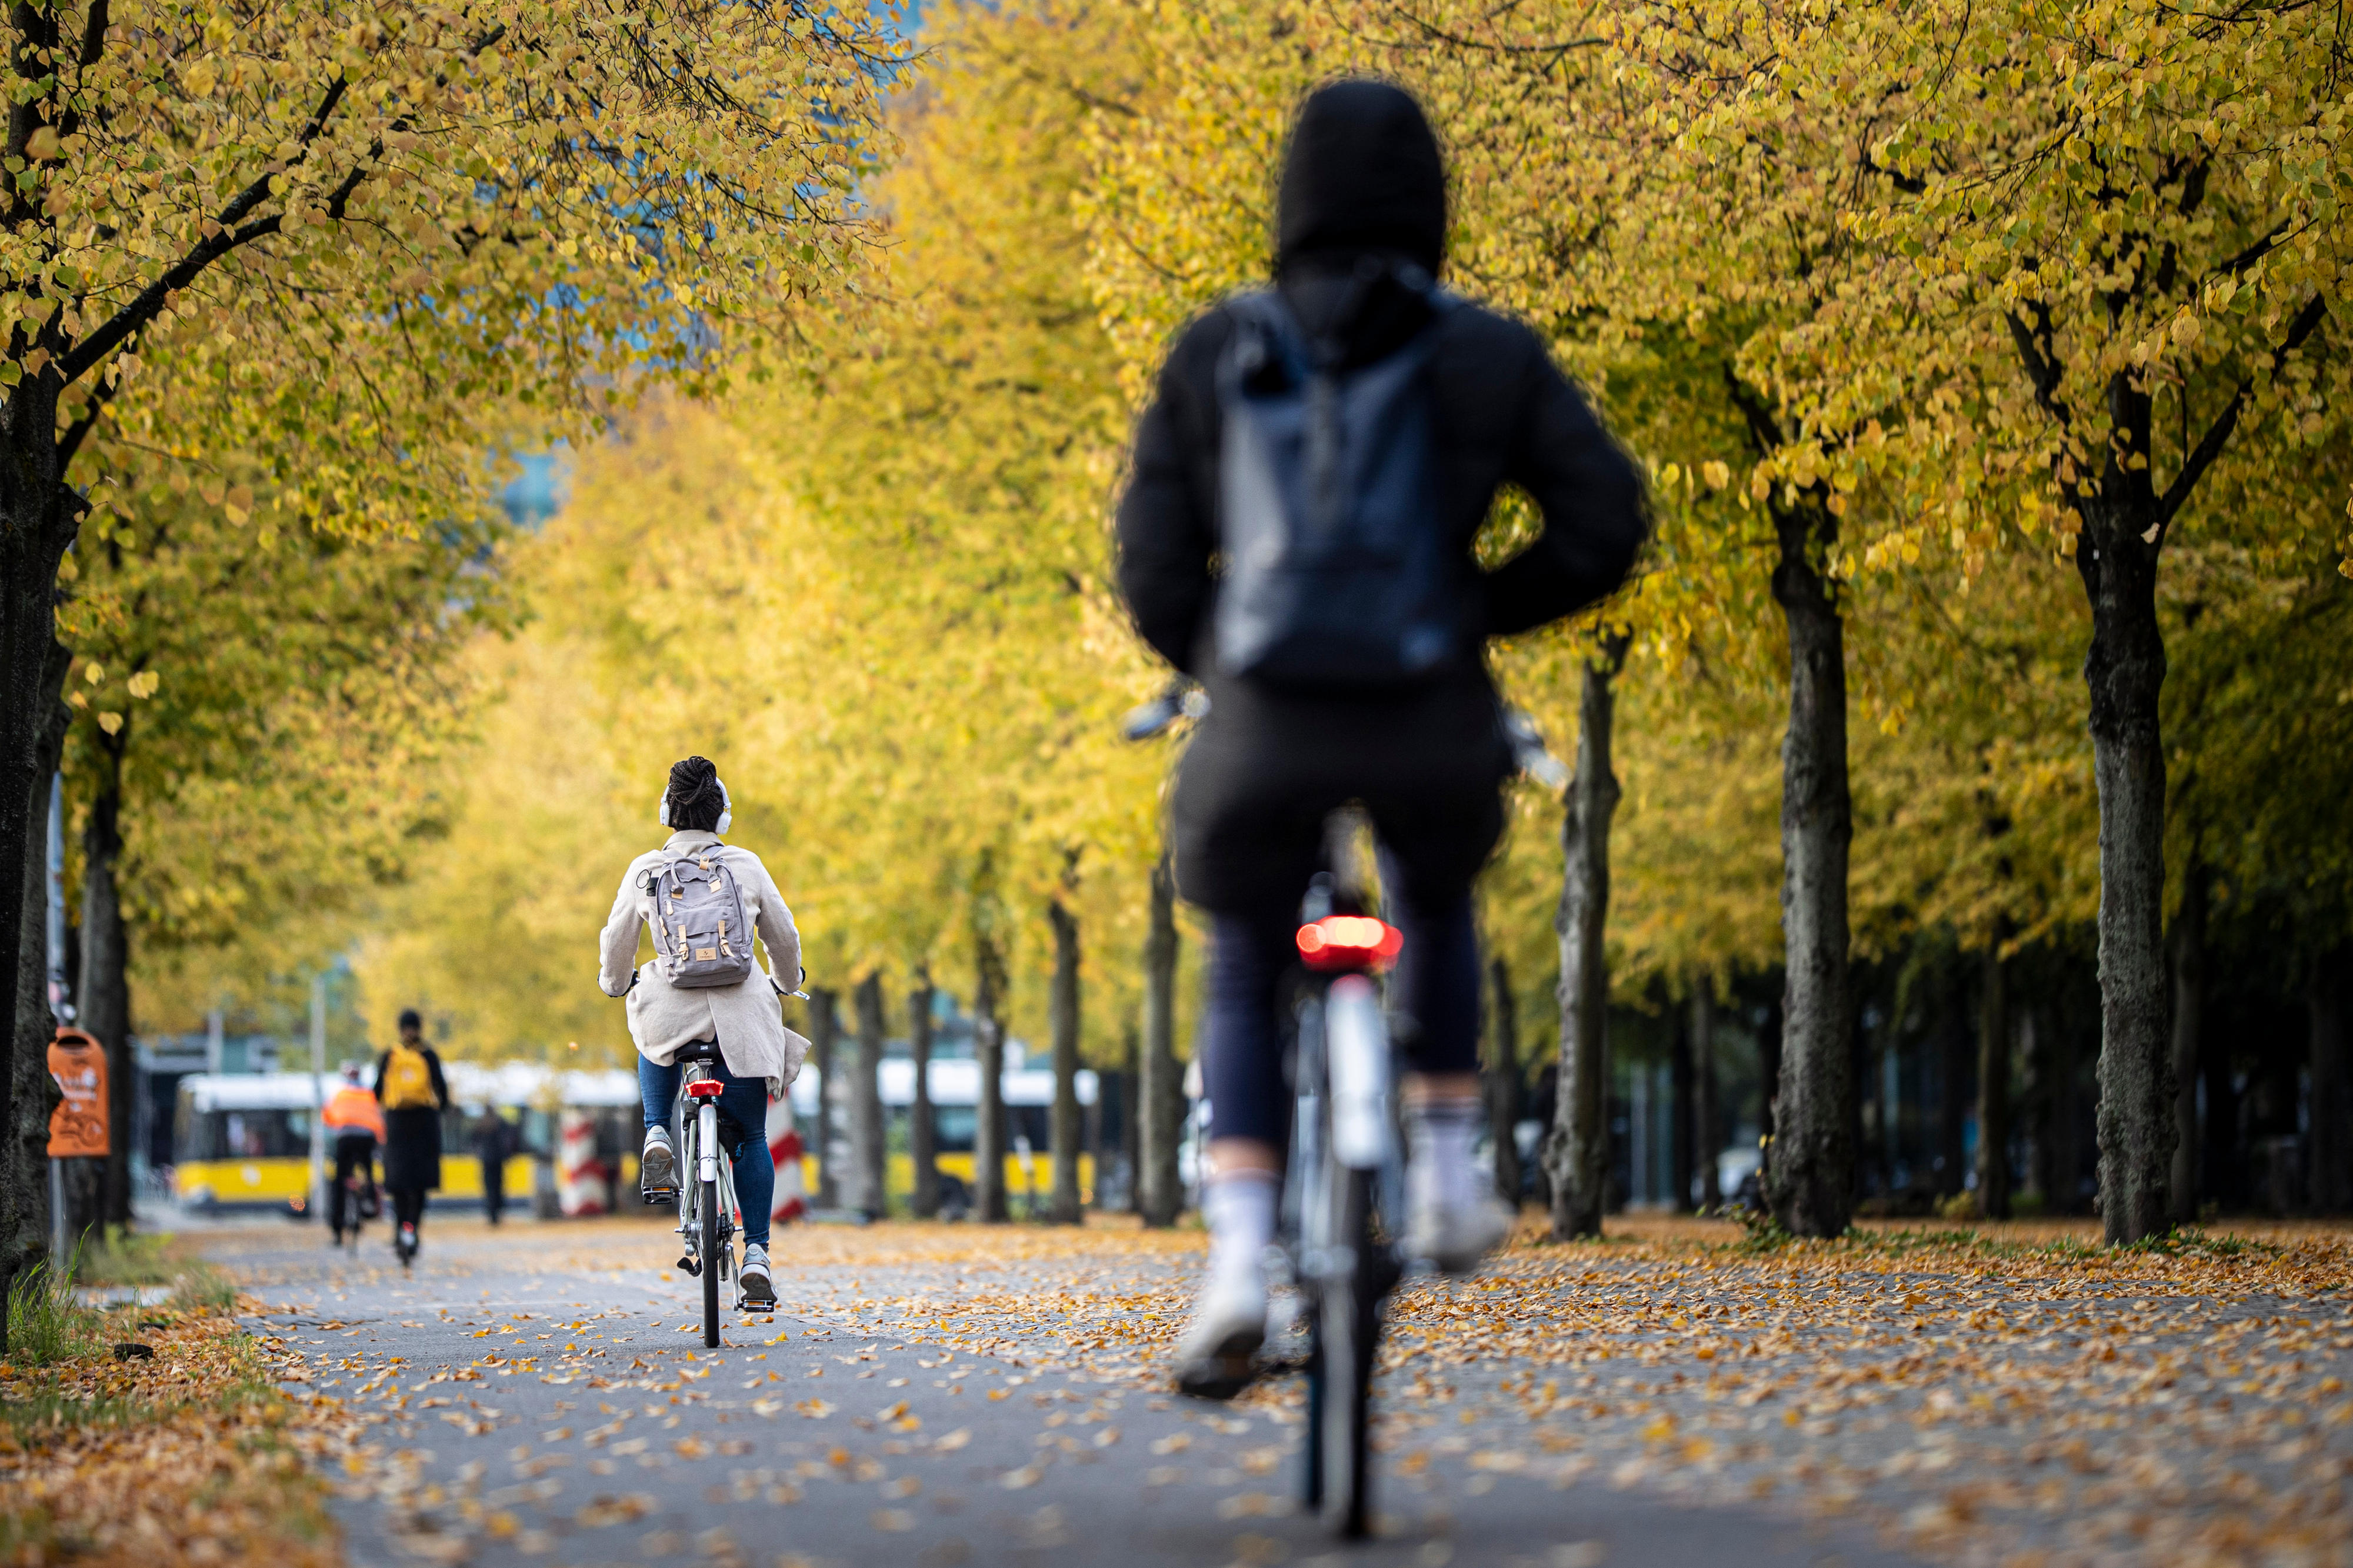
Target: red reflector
<point>1348,942</point>
<point>706,1089</point>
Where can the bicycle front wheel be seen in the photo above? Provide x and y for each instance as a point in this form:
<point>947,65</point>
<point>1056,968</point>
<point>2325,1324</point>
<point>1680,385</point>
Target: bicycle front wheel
<point>1348,1321</point>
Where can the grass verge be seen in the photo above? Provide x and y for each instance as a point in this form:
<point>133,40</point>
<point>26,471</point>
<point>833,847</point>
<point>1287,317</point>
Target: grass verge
<point>186,1454</point>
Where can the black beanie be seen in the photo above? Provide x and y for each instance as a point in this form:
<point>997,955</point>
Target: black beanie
<point>1362,172</point>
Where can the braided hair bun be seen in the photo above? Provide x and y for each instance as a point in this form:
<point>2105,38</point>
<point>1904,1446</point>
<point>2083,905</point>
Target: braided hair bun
<point>695,798</point>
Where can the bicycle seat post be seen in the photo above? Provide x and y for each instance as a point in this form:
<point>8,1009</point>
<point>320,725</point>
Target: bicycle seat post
<point>1346,833</point>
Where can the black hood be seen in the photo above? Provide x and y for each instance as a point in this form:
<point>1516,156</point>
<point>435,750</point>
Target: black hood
<point>1363,175</point>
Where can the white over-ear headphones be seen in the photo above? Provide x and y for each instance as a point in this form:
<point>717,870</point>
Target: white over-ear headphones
<point>726,807</point>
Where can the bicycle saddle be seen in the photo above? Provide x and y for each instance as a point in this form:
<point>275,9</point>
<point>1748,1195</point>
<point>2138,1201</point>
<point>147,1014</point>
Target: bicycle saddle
<point>699,1051</point>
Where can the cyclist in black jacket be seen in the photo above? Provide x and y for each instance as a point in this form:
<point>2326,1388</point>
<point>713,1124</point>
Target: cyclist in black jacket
<point>1361,229</point>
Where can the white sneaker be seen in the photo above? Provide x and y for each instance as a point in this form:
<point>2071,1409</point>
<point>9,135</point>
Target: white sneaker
<point>657,1167</point>
<point>1453,1236</point>
<point>759,1290</point>
<point>1452,1217</point>
<point>1215,1358</point>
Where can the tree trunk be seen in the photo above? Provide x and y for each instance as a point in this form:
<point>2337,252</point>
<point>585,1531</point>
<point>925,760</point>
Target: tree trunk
<point>1504,1081</point>
<point>1953,1091</point>
<point>1993,1085</point>
<point>38,516</point>
<point>1160,1121</point>
<point>2189,947</point>
<point>1707,1128</point>
<point>825,1033</point>
<point>2124,669</point>
<point>27,1093</point>
<point>1131,1118</point>
<point>1577,1152</point>
<point>2065,1115</point>
<point>868,1138</point>
<point>1811,1158</point>
<point>1681,1126</point>
<point>2221,1157</point>
<point>988,1141</point>
<point>1064,1128</point>
<point>923,1131</point>
<point>2324,997</point>
<point>102,990</point>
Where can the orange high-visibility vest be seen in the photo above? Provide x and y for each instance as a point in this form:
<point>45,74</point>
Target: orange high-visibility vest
<point>353,1110</point>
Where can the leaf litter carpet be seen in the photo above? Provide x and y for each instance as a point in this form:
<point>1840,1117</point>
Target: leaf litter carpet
<point>2000,1394</point>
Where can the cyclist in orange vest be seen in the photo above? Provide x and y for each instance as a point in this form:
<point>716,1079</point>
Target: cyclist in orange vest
<point>355,1121</point>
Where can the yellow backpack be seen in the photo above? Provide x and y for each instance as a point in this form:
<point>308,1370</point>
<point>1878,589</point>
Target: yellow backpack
<point>407,1080</point>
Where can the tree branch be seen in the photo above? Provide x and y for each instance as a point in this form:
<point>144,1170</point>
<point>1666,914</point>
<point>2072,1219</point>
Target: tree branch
<point>2043,369</point>
<point>149,301</point>
<point>2252,254</point>
<point>1764,431</point>
<point>93,34</point>
<point>1910,184</point>
<point>70,440</point>
<point>2209,445</point>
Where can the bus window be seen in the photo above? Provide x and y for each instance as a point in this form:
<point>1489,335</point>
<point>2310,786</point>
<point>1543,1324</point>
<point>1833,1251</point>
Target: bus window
<point>955,1126</point>
<point>1030,1121</point>
<point>249,1135</point>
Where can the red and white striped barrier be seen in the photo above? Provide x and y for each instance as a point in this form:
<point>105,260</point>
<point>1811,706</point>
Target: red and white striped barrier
<point>583,1186</point>
<point>784,1144</point>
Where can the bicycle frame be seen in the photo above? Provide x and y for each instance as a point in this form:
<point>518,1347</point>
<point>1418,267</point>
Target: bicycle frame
<point>703,1158</point>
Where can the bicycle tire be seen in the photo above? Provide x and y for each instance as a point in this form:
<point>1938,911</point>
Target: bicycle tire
<point>1348,1324</point>
<point>1311,1487</point>
<point>710,1244</point>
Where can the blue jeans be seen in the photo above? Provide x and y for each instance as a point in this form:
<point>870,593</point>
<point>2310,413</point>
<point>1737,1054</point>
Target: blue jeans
<point>1433,995</point>
<point>745,1100</point>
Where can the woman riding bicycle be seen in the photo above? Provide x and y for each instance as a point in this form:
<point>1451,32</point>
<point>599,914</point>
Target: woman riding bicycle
<point>673,1005</point>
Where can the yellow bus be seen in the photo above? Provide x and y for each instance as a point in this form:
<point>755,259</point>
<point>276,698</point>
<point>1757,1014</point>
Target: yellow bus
<point>1028,1094</point>
<point>242,1141</point>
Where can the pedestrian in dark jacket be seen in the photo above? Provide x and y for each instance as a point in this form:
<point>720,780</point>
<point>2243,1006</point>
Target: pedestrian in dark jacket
<point>494,1144</point>
<point>414,1093</point>
<point>1360,233</point>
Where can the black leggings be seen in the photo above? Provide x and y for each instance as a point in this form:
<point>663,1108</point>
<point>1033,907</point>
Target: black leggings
<point>408,1205</point>
<point>353,1157</point>
<point>1433,998</point>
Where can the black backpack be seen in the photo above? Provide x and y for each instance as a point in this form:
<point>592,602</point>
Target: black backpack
<point>1336,571</point>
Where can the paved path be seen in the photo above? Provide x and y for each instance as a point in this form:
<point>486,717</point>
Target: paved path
<point>923,1396</point>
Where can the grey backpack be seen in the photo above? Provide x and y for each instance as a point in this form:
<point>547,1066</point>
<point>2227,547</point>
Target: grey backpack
<point>1336,571</point>
<point>701,938</point>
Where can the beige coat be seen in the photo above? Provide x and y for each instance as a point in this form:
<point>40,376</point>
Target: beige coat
<point>746,1018</point>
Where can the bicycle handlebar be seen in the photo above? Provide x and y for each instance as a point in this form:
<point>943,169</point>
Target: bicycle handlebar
<point>1180,698</point>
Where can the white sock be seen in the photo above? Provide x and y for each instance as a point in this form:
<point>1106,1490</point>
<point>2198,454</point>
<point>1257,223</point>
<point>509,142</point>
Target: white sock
<point>1439,1138</point>
<point>1240,1206</point>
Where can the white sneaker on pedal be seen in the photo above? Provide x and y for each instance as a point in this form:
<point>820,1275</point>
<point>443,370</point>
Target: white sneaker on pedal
<point>1454,1237</point>
<point>657,1166</point>
<point>1452,1217</point>
<point>759,1290</point>
<point>1216,1359</point>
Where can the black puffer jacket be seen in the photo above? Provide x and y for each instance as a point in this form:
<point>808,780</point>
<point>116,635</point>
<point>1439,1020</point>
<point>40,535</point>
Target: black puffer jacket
<point>1363,186</point>
<point>1362,208</point>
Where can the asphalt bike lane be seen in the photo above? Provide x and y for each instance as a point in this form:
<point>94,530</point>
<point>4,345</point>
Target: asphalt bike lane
<point>540,1395</point>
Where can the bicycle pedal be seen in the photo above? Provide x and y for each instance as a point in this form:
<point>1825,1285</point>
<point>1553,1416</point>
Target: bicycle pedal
<point>659,1198</point>
<point>692,1266</point>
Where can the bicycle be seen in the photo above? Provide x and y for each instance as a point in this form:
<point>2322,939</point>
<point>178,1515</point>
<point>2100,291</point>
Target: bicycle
<point>708,1215</point>
<point>1344,1186</point>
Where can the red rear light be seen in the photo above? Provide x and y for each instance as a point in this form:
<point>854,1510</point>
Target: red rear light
<point>706,1089</point>
<point>1349,942</point>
